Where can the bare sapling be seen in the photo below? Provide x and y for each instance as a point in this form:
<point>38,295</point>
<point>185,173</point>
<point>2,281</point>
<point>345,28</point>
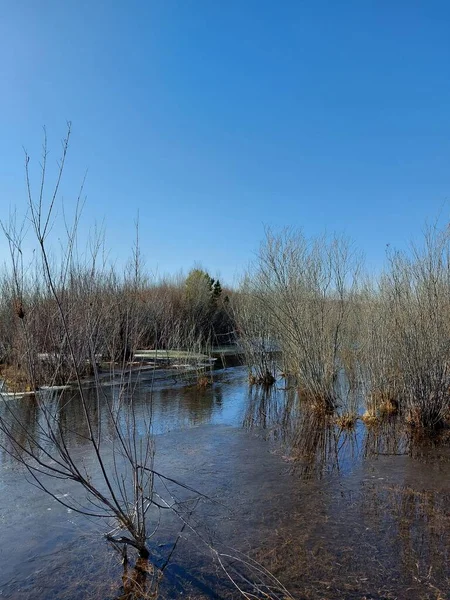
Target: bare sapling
<point>94,319</point>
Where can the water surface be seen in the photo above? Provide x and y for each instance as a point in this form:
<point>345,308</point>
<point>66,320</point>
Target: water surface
<point>332,514</point>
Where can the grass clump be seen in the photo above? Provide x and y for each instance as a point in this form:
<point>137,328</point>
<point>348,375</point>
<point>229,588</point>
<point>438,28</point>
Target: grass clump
<point>346,421</point>
<point>370,419</point>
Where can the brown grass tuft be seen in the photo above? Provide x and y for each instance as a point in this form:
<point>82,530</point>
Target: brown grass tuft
<point>370,419</point>
<point>346,421</point>
<point>266,379</point>
<point>204,381</point>
<point>388,408</point>
<point>252,379</point>
<point>318,401</point>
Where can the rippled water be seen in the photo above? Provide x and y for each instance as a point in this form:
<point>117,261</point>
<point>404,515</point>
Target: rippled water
<point>332,514</point>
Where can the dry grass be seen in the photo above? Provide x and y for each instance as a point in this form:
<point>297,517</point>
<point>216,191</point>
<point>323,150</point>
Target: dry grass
<point>346,421</point>
<point>388,408</point>
<point>266,379</point>
<point>370,419</point>
<point>321,404</point>
<point>204,381</point>
<point>15,378</point>
<point>384,402</point>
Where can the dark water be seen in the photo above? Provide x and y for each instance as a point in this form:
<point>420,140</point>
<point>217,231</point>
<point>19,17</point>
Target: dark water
<point>359,515</point>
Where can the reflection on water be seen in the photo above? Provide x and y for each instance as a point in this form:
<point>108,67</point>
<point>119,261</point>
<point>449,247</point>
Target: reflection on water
<point>309,439</point>
<point>388,438</point>
<point>333,513</point>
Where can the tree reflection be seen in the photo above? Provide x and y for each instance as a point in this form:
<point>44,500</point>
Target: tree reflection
<point>309,438</point>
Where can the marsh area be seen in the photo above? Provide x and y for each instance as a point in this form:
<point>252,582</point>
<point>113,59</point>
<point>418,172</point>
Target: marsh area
<point>333,513</point>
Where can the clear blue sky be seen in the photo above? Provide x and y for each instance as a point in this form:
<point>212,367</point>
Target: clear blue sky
<point>214,118</point>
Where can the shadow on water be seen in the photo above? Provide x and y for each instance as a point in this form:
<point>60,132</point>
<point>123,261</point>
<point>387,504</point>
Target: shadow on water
<point>333,513</point>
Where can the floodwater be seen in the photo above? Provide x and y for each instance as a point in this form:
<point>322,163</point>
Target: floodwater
<point>332,514</point>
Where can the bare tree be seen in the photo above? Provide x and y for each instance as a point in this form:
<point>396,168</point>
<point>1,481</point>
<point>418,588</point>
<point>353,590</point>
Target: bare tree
<point>124,496</point>
<point>90,310</point>
<point>302,292</point>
